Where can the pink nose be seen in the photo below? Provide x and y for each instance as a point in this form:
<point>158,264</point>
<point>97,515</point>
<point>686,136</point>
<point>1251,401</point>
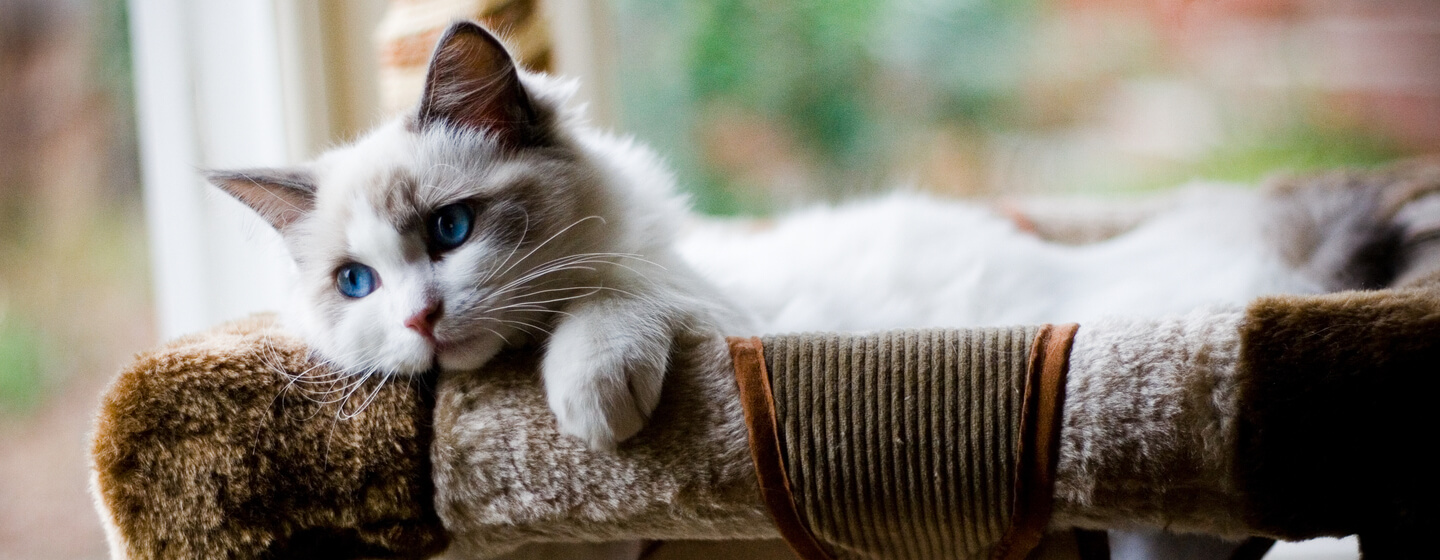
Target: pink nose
<point>423,321</point>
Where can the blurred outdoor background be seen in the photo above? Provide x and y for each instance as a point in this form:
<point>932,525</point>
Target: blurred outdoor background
<point>762,103</point>
<point>74,289</point>
<point>759,104</point>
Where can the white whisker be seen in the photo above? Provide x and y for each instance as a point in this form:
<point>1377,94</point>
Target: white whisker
<point>497,333</point>
<point>551,238</point>
<point>524,233</point>
<point>552,300</point>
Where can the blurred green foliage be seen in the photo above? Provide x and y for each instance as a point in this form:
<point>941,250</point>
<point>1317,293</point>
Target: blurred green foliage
<point>849,91</point>
<point>21,367</point>
<point>805,63</point>
<point>1295,151</point>
<point>820,70</point>
<point>72,244</point>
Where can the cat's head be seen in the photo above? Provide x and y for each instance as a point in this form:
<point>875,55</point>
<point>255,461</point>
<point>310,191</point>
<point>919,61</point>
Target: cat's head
<point>456,230</point>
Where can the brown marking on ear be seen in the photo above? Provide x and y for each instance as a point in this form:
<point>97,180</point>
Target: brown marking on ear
<point>280,196</point>
<point>473,83</point>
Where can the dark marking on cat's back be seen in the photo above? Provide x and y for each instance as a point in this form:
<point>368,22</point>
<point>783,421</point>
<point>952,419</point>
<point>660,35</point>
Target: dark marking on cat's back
<point>1346,227</point>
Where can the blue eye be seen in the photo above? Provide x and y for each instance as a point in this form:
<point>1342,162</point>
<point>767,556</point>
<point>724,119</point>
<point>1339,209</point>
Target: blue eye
<point>356,280</point>
<point>450,226</point>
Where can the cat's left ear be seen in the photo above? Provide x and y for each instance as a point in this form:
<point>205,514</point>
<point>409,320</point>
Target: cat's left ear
<point>473,83</point>
<point>280,196</point>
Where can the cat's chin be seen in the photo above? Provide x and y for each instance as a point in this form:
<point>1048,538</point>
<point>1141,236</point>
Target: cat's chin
<point>469,356</point>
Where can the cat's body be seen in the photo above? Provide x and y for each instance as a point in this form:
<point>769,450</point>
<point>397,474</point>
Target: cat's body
<point>911,261</point>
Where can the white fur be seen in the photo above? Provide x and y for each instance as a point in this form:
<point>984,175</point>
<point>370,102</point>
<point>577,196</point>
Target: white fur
<point>364,338</point>
<point>114,537</point>
<point>910,261</point>
<point>603,368</point>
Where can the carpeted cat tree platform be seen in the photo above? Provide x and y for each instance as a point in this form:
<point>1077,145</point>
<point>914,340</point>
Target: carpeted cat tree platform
<point>1294,418</point>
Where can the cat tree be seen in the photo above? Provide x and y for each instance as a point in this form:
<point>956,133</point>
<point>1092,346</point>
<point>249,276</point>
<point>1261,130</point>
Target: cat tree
<point>912,444</point>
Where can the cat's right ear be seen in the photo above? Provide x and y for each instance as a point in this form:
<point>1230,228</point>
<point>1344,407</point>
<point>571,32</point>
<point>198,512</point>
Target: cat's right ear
<point>473,83</point>
<point>280,196</point>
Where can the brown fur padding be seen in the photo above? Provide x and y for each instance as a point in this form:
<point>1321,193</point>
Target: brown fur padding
<point>1337,421</point>
<point>203,450</point>
<point>505,476</point>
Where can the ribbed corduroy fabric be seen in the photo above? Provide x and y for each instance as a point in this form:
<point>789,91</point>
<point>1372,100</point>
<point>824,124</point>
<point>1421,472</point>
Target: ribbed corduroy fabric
<point>902,444</point>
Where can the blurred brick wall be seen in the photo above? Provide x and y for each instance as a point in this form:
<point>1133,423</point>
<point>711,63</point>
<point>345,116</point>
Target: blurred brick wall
<point>1372,65</point>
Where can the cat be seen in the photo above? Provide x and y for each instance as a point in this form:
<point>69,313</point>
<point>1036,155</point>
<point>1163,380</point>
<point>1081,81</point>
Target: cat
<point>491,217</point>
<point>908,260</point>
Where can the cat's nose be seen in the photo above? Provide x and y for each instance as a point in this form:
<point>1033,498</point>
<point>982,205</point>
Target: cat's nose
<point>423,321</point>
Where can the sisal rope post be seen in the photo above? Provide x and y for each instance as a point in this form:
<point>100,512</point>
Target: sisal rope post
<point>906,444</point>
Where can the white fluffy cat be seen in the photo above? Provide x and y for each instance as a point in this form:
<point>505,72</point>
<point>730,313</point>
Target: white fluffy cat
<point>494,217</point>
<point>912,261</point>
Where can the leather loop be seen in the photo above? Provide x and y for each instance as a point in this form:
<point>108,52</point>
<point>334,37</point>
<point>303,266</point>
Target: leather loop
<point>757,400</point>
<point>1039,446</point>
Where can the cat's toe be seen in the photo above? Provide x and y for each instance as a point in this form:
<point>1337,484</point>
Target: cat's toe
<point>601,398</point>
<point>597,417</point>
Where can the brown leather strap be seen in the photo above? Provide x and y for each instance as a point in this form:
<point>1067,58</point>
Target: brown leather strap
<point>1039,446</point>
<point>759,404</point>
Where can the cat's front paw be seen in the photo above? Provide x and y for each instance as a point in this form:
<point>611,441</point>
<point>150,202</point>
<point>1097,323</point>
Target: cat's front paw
<point>603,380</point>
